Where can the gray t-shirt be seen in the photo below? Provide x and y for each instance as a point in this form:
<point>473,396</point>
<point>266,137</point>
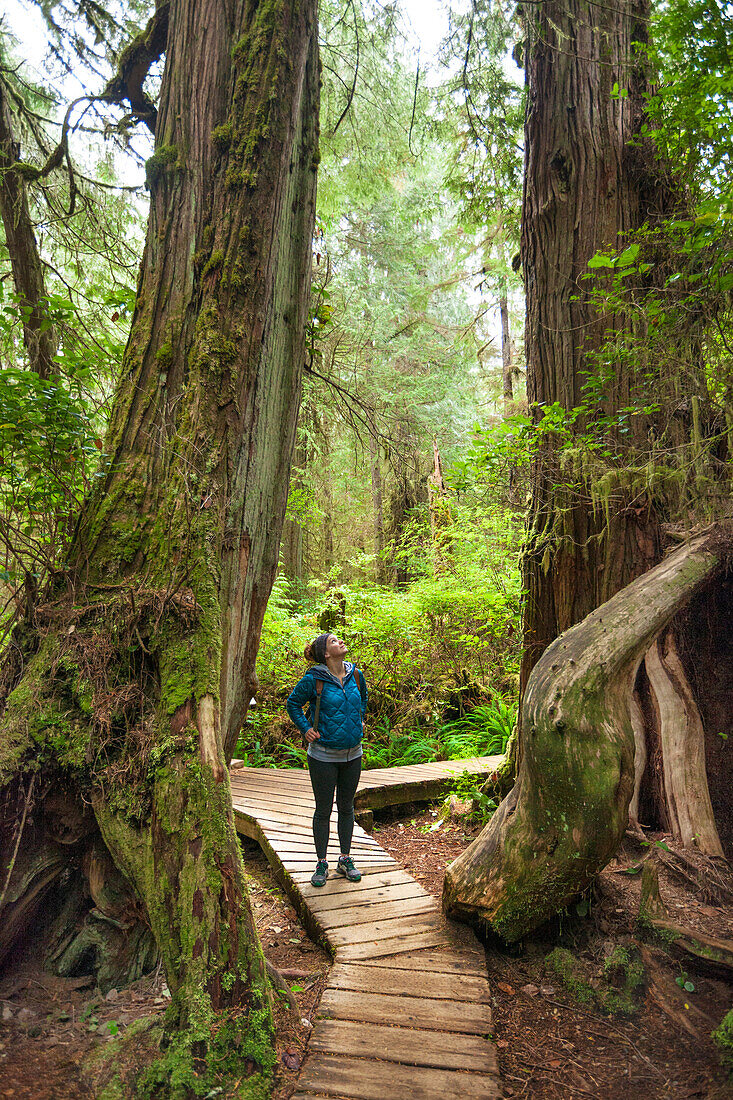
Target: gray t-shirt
<point>334,756</point>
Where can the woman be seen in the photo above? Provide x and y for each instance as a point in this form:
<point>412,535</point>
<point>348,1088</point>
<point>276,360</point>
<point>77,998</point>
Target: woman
<point>333,727</point>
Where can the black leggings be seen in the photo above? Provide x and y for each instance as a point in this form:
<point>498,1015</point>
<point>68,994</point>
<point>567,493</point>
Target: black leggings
<point>327,777</point>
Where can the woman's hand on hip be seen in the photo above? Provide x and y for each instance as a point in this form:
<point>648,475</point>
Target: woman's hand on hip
<point>312,735</point>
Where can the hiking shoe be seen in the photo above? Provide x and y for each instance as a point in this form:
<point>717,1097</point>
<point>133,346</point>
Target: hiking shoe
<point>319,876</point>
<point>345,867</point>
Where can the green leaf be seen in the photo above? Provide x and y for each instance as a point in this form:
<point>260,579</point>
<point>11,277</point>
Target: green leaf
<point>628,255</point>
<point>600,261</point>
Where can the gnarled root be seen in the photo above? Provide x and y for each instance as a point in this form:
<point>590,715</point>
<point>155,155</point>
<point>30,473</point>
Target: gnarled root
<point>568,811</point>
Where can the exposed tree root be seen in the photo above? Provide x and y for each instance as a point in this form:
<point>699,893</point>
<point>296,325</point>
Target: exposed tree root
<point>568,811</point>
<point>278,983</point>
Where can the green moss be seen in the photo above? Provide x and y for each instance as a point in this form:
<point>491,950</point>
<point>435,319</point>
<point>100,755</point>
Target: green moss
<point>164,355</point>
<point>161,160</point>
<point>563,964</point>
<point>115,1090</point>
<point>216,1049</point>
<point>261,63</point>
<point>723,1039</point>
<point>624,970</point>
<point>616,992</point>
<point>222,135</point>
<point>215,262</point>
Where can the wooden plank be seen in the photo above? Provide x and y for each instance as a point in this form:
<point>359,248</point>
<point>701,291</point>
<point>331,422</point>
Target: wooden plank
<point>283,819</point>
<point>304,845</point>
<point>341,886</point>
<point>422,1012</point>
<point>409,983</point>
<point>264,783</point>
<point>302,879</point>
<point>340,1075</point>
<point>365,896</point>
<point>372,933</point>
<point>369,914</point>
<point>306,866</point>
<point>407,1046</point>
<point>293,848</point>
<point>283,842</point>
<point>373,858</point>
<point>387,947</point>
<point>388,933</point>
<point>435,962</point>
<point>274,800</point>
<point>307,834</point>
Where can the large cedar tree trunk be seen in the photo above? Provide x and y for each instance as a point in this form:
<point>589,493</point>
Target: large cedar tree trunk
<point>140,661</point>
<point>585,186</point>
<point>606,691</point>
<point>593,177</point>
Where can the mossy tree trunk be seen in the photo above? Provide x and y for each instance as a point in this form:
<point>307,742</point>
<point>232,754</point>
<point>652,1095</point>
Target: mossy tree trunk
<point>39,336</point>
<point>139,664</point>
<point>568,810</point>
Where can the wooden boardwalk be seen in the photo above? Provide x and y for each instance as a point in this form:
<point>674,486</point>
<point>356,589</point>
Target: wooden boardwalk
<point>405,1015</point>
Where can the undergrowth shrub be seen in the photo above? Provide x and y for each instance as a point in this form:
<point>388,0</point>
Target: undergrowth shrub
<point>441,648</point>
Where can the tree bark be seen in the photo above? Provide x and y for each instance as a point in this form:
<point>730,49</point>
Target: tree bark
<point>568,811</point>
<point>39,336</point>
<point>145,646</point>
<point>682,739</point>
<point>585,187</point>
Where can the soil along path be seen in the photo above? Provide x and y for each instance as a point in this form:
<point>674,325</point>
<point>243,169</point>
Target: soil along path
<point>406,1011</point>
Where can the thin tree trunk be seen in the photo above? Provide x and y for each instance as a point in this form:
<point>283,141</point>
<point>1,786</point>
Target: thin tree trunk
<point>506,349</point>
<point>291,545</point>
<point>440,517</point>
<point>144,659</point>
<point>326,470</point>
<point>39,336</point>
<point>377,508</point>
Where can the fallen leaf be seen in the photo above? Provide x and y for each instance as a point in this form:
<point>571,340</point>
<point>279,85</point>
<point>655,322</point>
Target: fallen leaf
<point>505,988</point>
<point>291,1060</point>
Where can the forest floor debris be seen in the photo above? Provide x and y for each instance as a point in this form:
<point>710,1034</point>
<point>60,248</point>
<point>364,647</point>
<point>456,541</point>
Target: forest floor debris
<point>551,1044</point>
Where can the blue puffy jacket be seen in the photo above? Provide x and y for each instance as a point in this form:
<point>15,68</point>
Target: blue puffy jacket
<point>340,720</point>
